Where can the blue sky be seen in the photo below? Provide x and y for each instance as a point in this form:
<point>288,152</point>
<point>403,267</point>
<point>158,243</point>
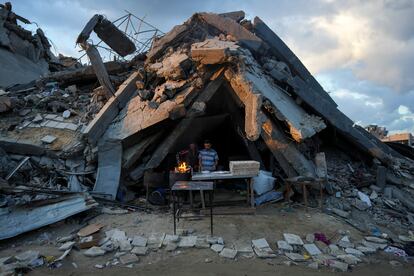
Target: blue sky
<point>362,52</point>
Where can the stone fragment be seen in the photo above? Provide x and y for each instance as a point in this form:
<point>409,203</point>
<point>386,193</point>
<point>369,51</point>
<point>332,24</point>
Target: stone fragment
<point>213,51</point>
<point>108,246</point>
<point>66,114</point>
<point>139,241</point>
<point>338,265</point>
<point>94,251</point>
<point>373,245</point>
<point>99,266</point>
<point>260,243</point>
<point>188,241</point>
<point>313,265</point>
<point>217,248</point>
<point>312,249</point>
<point>349,259</point>
<point>212,240</point>
<point>283,245</point>
<point>375,239</point>
<point>65,239</point>
<point>37,119</point>
<point>366,250</point>
<point>128,259</point>
<point>202,243</point>
<point>124,245</point>
<point>171,247</point>
<point>264,253</point>
<point>140,251</point>
<point>295,257</point>
<point>310,238</point>
<point>48,139</point>
<point>354,252</point>
<point>171,239</point>
<point>228,253</point>
<point>340,213</point>
<point>293,239</point>
<point>27,257</point>
<point>66,246</point>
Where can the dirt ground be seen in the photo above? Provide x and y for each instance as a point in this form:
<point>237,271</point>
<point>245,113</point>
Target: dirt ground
<point>237,230</point>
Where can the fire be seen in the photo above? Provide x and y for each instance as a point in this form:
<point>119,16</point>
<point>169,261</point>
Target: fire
<point>183,167</point>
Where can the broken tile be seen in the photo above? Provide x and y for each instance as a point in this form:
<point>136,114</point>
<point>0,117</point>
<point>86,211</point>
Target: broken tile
<point>293,239</point>
<point>94,251</point>
<point>187,241</point>
<point>354,251</point>
<point>295,257</point>
<point>217,248</point>
<point>260,243</point>
<point>349,259</point>
<point>228,253</point>
<point>48,139</point>
<point>283,245</point>
<point>312,249</point>
<point>128,259</point>
<point>139,241</point>
<point>140,250</point>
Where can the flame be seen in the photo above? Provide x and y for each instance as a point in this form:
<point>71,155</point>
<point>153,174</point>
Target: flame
<point>183,167</point>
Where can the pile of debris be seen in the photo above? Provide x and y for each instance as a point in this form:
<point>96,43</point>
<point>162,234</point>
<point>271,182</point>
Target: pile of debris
<point>104,127</point>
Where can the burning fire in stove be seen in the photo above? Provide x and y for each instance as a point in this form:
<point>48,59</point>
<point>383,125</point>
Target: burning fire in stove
<point>182,168</point>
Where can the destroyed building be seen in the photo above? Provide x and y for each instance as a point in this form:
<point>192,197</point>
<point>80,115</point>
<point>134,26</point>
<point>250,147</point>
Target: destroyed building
<point>218,76</point>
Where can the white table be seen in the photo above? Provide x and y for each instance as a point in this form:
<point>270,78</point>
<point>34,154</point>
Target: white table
<point>228,175</point>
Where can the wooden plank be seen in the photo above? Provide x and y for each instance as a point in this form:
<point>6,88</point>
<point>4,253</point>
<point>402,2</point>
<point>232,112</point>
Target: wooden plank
<point>280,146</point>
<point>98,125</point>
<point>283,53</point>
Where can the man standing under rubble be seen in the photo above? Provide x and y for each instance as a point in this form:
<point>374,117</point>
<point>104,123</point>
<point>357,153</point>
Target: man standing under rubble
<point>208,157</point>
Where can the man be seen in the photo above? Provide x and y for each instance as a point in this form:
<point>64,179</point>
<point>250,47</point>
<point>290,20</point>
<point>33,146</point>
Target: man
<point>208,158</point>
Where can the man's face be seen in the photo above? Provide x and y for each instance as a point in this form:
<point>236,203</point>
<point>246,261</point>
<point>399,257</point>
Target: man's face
<point>192,146</point>
<point>207,145</point>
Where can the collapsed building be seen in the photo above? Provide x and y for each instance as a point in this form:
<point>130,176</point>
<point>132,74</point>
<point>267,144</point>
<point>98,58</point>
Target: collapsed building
<point>218,76</point>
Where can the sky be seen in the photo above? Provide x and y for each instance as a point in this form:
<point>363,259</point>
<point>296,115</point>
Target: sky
<point>362,52</point>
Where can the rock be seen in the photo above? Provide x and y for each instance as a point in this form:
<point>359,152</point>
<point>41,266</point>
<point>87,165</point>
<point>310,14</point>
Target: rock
<point>99,266</point>
<point>65,239</point>
<point>373,195</point>
<point>260,243</point>
<point>212,240</point>
<point>128,259</point>
<point>140,251</point>
<point>37,119</point>
<point>171,239</point>
<point>264,253</point>
<point>66,246</point>
<point>312,249</point>
<point>48,139</point>
<point>295,257</point>
<point>207,260</point>
<point>139,241</point>
<point>66,114</point>
<point>171,247</point>
<point>340,213</point>
<point>366,250</point>
<point>310,238</point>
<point>283,245</point>
<point>94,251</point>
<point>108,246</point>
<point>313,265</point>
<point>213,51</point>
<point>360,205</point>
<point>375,240</point>
<point>220,240</point>
<point>188,241</point>
<point>228,253</point>
<point>27,257</point>
<point>354,252</point>
<point>293,239</point>
<point>349,259</point>
<point>116,235</point>
<point>124,245</point>
<point>373,245</point>
<point>217,248</point>
<point>202,243</point>
<point>338,265</point>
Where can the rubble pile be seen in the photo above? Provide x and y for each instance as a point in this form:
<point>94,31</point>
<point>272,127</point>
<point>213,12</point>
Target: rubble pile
<point>102,128</point>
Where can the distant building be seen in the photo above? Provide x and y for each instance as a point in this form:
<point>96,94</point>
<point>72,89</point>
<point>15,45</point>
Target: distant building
<point>403,138</point>
<point>377,131</point>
